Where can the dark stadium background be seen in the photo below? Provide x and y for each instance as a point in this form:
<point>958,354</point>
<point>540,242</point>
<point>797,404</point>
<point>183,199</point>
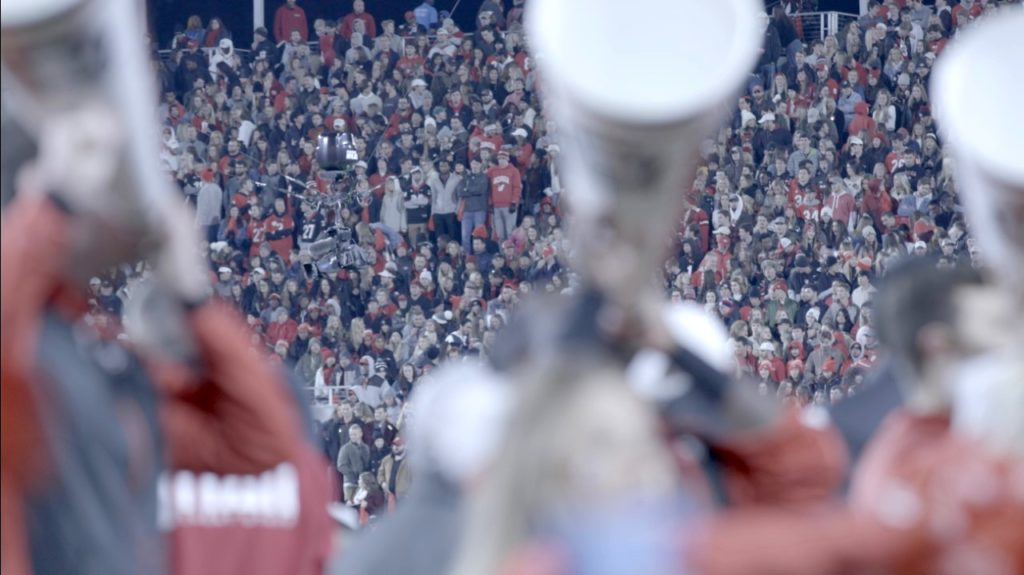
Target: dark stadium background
<point>164,15</point>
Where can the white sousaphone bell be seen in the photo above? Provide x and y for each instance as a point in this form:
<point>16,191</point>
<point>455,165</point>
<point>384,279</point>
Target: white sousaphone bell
<point>975,89</point>
<point>634,90</point>
<point>80,82</point>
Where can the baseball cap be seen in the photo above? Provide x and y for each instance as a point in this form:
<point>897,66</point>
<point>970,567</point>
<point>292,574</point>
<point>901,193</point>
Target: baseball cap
<point>519,132</point>
<point>856,141</point>
<point>767,117</point>
<point>419,82</point>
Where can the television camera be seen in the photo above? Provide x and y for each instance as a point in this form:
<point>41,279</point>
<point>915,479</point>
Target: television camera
<point>336,248</point>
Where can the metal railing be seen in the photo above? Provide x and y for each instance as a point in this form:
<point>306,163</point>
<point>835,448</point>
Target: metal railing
<point>819,25</point>
<point>323,399</point>
<point>246,53</point>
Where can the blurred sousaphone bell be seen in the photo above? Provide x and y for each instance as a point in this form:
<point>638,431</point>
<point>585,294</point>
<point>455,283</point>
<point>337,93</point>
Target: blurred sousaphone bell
<point>975,91</point>
<point>79,81</point>
<point>635,90</point>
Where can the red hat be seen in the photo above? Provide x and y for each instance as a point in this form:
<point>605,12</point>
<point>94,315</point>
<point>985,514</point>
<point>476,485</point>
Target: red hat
<point>864,264</point>
<point>764,364</point>
<point>304,327</point>
<point>480,232</point>
<point>548,251</point>
<point>398,441</point>
<point>922,230</point>
<point>796,363</point>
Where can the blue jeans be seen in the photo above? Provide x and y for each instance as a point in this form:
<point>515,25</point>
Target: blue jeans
<point>470,220</point>
<point>394,238</point>
<point>504,222</point>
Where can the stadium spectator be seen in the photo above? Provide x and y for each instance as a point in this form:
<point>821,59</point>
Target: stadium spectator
<point>394,476</point>
<point>290,17</point>
<point>353,461</point>
<point>367,24</point>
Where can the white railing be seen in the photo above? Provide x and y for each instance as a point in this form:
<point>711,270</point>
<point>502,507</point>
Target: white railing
<point>323,399</point>
<point>819,25</point>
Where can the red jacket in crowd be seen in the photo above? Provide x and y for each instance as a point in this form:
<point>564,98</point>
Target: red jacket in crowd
<point>282,331</point>
<point>279,230</point>
<point>506,186</point>
<point>289,18</point>
<point>370,25</point>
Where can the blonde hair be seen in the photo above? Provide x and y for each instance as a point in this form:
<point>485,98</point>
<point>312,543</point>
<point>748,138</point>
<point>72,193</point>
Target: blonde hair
<point>355,331</point>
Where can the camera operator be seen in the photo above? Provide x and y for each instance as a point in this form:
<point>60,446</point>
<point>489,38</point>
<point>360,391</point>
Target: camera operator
<point>334,247</point>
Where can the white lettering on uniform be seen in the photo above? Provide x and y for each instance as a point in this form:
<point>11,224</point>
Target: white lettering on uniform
<point>270,499</point>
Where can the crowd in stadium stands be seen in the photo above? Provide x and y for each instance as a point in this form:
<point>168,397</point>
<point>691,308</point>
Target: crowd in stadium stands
<point>829,168</point>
